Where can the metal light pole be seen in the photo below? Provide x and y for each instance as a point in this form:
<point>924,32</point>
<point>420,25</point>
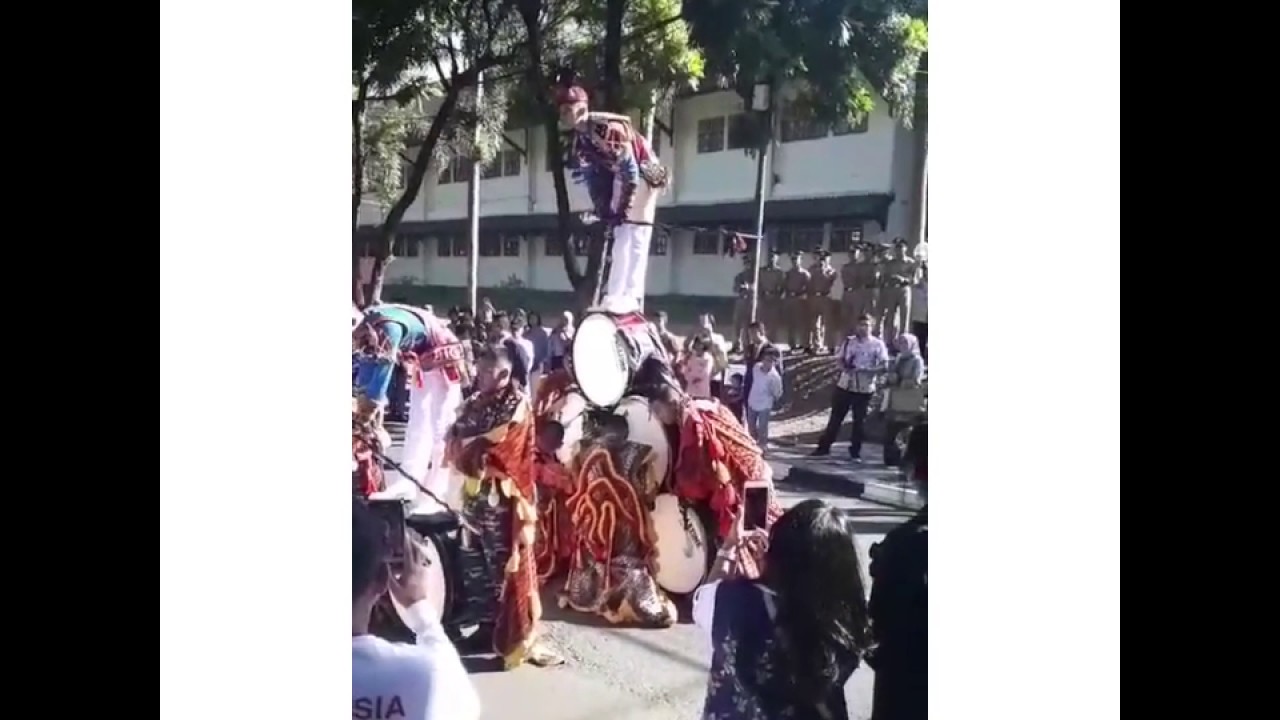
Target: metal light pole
<point>473,209</point>
<point>760,103</point>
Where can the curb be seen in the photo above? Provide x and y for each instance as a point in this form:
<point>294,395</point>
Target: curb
<point>844,486</point>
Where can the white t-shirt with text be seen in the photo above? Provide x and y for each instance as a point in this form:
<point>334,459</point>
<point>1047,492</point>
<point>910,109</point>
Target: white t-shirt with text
<point>423,681</point>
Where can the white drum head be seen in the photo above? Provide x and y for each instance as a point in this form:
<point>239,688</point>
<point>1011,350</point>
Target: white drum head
<point>437,584</point>
<point>644,428</point>
<point>571,414</point>
<point>598,367</point>
<point>683,555</point>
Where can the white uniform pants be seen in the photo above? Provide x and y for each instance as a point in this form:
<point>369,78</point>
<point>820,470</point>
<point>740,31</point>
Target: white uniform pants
<point>630,262</point>
<point>432,410</point>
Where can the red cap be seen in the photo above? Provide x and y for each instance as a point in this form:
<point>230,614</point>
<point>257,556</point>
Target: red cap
<point>571,95</point>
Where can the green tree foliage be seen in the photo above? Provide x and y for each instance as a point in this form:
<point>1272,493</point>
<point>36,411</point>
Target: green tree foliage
<point>414,68</point>
<point>843,53</point>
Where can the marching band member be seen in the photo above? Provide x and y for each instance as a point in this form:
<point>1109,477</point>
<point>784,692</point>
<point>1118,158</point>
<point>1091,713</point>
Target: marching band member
<point>435,363</point>
<point>492,446</point>
<point>715,458</point>
<point>554,543</point>
<point>623,178</point>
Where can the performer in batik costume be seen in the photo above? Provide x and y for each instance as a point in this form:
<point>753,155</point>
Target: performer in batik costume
<point>599,486</point>
<point>624,179</point>
<point>555,482</point>
<point>434,362</point>
<point>491,445</point>
<point>612,561</point>
<point>715,458</point>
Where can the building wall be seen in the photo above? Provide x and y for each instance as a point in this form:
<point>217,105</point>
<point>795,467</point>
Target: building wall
<point>877,160</point>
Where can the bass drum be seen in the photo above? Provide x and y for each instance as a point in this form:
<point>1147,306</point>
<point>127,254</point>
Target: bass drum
<point>576,422</point>
<point>607,351</point>
<point>435,537</point>
<point>569,415</point>
<point>644,428</point>
<point>685,544</point>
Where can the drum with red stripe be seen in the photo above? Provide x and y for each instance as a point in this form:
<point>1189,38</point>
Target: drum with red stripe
<point>607,352</point>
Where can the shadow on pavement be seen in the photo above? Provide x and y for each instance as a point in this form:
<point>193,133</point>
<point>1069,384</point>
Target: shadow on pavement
<point>482,664</point>
<point>552,611</point>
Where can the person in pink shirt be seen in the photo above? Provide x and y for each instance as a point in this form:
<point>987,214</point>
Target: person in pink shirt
<point>698,367</point>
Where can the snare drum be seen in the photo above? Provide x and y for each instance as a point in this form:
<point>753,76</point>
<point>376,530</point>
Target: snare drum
<point>685,544</point>
<point>607,351</point>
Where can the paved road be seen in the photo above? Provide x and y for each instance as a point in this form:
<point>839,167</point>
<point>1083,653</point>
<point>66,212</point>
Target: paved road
<point>637,674</point>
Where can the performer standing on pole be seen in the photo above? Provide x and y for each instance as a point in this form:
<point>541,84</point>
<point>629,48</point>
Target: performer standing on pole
<point>624,179</point>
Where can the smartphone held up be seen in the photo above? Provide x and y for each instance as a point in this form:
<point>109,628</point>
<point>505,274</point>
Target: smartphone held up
<point>755,504</point>
<point>392,513</point>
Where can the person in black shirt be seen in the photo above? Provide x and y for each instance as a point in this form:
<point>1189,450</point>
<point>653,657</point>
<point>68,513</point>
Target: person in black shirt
<point>900,607</point>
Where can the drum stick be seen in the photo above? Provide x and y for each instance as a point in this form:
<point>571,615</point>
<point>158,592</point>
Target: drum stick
<point>397,467</point>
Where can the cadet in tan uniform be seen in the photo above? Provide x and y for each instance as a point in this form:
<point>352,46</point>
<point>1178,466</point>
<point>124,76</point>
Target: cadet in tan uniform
<point>742,285</point>
<point>895,291</point>
<point>822,321</point>
<point>770,312</point>
<point>861,278</point>
<point>794,306</point>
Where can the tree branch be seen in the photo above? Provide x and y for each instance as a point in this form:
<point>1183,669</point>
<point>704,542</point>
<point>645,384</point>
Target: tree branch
<point>637,34</point>
<point>444,79</point>
<point>418,171</point>
<point>453,55</point>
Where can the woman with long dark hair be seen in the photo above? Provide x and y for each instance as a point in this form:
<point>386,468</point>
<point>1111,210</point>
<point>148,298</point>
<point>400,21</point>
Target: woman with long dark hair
<point>785,645</point>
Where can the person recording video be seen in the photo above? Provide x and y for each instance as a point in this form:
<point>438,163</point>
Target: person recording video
<point>424,681</point>
<point>811,593</point>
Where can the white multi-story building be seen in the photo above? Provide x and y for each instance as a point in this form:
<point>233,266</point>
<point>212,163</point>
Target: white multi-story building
<point>829,187</point>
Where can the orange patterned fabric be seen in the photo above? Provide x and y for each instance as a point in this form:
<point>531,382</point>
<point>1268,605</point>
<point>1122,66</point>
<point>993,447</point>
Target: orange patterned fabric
<point>555,537</point>
<point>551,388</point>
<point>555,531</point>
<point>504,427</point>
<point>367,478</point>
<point>716,457</point>
<point>601,501</point>
<point>612,559</point>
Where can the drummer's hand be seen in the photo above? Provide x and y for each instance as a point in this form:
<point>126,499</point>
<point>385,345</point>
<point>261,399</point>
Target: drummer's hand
<point>470,460</point>
<point>411,586</point>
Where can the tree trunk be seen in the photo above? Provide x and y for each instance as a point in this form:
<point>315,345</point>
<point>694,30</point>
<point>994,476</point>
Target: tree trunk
<point>613,15</point>
<point>357,282</point>
<point>357,191</point>
<point>564,213</point>
<point>530,12</point>
<point>413,185</point>
<point>377,276</point>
